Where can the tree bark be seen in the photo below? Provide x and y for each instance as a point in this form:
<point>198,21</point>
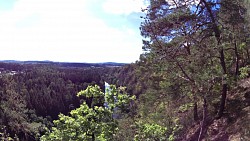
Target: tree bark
<point>223,101</point>
<point>196,117</point>
<point>93,137</point>
<point>236,59</point>
<point>204,119</point>
<point>224,85</point>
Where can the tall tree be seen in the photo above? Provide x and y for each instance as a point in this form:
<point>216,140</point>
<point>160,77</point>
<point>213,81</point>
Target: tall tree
<point>189,36</point>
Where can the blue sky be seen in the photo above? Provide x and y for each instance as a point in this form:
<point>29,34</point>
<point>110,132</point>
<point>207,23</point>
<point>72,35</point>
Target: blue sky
<point>71,30</point>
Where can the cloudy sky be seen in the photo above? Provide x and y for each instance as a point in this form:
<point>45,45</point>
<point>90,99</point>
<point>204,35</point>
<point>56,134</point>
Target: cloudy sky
<point>71,30</point>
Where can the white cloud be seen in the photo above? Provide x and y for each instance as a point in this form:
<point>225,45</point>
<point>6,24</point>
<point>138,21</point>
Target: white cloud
<point>126,7</point>
<point>63,30</point>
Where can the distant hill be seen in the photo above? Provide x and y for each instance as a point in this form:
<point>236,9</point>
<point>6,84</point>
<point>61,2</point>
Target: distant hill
<point>67,64</point>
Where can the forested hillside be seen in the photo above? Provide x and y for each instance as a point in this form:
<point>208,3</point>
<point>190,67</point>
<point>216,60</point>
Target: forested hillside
<point>192,83</point>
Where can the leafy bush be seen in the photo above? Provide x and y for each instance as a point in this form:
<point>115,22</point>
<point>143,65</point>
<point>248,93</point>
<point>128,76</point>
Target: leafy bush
<point>90,122</point>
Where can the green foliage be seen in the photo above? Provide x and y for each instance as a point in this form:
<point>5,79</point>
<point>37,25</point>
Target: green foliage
<point>189,54</point>
<point>14,112</point>
<point>4,136</point>
<point>185,107</point>
<point>33,97</point>
<point>90,123</point>
<point>244,72</point>
<point>150,132</point>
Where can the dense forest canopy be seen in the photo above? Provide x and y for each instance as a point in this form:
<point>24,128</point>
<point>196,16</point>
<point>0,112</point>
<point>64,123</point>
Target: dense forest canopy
<point>191,83</point>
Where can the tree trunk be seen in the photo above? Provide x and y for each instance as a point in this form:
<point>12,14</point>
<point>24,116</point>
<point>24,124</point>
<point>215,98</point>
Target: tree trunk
<point>223,101</point>
<point>224,85</point>
<point>93,137</point>
<point>204,119</point>
<point>236,60</point>
<point>196,117</point>
<point>222,58</point>
<point>248,55</point>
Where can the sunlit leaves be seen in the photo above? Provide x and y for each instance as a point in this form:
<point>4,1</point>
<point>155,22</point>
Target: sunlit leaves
<point>149,132</point>
<point>90,123</point>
